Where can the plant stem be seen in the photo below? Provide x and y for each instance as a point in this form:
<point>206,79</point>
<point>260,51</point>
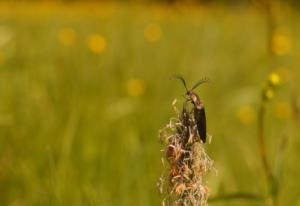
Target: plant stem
<point>273,184</point>
<point>261,140</point>
<point>270,12</point>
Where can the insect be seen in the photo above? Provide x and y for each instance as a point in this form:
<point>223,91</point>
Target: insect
<point>198,110</point>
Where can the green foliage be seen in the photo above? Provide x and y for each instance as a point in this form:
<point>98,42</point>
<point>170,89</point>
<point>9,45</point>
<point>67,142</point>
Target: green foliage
<point>84,90</point>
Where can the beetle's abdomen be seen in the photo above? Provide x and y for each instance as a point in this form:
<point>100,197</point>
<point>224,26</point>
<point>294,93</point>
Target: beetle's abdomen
<point>200,120</point>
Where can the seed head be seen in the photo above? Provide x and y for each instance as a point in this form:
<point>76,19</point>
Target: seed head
<point>183,179</point>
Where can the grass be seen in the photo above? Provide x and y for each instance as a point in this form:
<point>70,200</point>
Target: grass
<point>79,126</point>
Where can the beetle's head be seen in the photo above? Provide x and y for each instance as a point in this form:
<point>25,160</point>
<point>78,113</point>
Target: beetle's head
<point>192,96</point>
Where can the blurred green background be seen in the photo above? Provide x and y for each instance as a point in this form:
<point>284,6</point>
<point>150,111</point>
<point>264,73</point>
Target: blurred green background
<point>85,88</point>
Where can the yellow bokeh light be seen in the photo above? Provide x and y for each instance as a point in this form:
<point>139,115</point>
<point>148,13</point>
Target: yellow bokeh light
<point>283,110</point>
<point>269,93</point>
<point>67,36</point>
<point>274,79</point>
<point>153,32</point>
<point>97,43</point>
<point>281,44</point>
<point>135,87</point>
<point>246,114</point>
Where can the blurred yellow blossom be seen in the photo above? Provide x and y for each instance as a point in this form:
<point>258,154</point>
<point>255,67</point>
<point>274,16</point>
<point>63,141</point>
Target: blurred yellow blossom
<point>246,114</point>
<point>269,93</point>
<point>274,79</point>
<point>153,32</point>
<point>135,87</point>
<point>97,43</point>
<point>2,58</point>
<point>67,36</point>
<point>283,110</point>
<point>281,44</point>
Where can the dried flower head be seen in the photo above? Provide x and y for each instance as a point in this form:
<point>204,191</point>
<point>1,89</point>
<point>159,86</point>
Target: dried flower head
<point>183,179</point>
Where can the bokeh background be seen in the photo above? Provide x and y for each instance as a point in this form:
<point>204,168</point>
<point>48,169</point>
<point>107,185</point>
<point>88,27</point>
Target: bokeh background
<point>85,88</point>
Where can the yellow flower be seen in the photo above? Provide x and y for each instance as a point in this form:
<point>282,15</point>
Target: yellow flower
<point>281,44</point>
<point>274,79</point>
<point>152,32</point>
<point>269,93</point>
<point>246,114</point>
<point>135,87</point>
<point>67,36</point>
<point>283,110</point>
<point>97,43</point>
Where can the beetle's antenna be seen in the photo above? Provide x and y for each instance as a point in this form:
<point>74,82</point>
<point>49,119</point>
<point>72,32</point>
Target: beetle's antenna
<point>182,80</point>
<point>204,80</point>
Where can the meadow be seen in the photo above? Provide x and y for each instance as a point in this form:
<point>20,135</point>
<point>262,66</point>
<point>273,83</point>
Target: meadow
<point>85,89</point>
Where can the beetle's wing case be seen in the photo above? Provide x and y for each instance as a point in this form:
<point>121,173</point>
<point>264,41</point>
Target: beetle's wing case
<point>200,119</point>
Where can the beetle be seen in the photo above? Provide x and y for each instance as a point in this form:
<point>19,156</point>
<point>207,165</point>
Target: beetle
<point>198,110</point>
